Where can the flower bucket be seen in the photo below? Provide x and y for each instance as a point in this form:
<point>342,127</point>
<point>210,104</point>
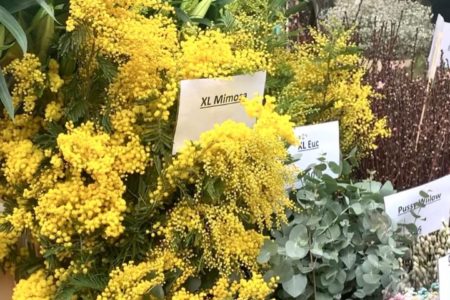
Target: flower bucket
<point>6,286</point>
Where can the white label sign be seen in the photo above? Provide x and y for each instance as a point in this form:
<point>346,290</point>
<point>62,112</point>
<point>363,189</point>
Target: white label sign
<point>207,102</point>
<point>434,209</point>
<point>444,278</point>
<point>320,140</point>
<point>441,42</point>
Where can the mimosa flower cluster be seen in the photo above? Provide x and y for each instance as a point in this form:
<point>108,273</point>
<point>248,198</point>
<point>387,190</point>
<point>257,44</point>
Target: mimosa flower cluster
<point>208,219</point>
<point>327,84</point>
<point>37,286</point>
<point>29,81</point>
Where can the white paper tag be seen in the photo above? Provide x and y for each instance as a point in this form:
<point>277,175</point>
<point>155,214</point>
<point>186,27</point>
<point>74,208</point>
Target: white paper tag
<point>207,102</point>
<point>444,277</point>
<point>441,42</point>
<point>320,140</point>
<point>436,206</point>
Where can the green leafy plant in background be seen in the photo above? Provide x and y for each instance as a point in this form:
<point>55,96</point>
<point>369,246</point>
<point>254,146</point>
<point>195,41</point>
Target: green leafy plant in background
<point>203,12</point>
<point>341,245</point>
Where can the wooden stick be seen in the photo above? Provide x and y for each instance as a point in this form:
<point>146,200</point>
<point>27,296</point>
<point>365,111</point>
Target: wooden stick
<point>431,75</point>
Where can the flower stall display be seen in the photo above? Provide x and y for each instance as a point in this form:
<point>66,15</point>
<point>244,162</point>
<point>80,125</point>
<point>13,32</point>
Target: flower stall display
<point>96,201</point>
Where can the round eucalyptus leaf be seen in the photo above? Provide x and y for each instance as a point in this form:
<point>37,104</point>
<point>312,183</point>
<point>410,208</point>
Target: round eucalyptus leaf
<point>359,294</point>
<point>392,243</point>
<point>371,278</point>
<point>385,280</point>
<point>299,233</point>
<point>295,251</point>
<point>263,257</point>
<point>341,276</point>
<point>317,251</point>
<point>296,285</point>
<point>383,234</point>
<point>366,267</point>
<point>269,275</point>
<point>357,208</point>
<point>334,232</point>
<point>328,278</point>
<point>387,189</point>
<point>269,249</point>
<point>348,257</point>
<point>284,270</point>
<point>335,288</point>
<point>335,168</point>
<point>373,259</point>
<point>322,296</point>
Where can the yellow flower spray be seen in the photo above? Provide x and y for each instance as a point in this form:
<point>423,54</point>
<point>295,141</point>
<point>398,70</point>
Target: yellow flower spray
<point>328,85</point>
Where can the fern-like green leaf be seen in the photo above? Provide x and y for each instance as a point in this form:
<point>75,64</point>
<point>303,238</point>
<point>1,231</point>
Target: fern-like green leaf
<point>48,138</point>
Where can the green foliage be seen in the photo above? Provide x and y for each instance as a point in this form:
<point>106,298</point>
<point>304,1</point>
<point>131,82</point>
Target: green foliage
<point>16,6</point>
<point>7,20</point>
<point>79,283</point>
<point>202,12</point>
<point>339,243</point>
<point>47,139</point>
<point>13,26</point>
<point>5,96</point>
<point>50,11</point>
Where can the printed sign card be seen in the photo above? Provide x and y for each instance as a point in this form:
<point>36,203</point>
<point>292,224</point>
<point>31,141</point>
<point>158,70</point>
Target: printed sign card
<point>207,102</point>
<point>441,42</point>
<point>444,277</point>
<point>320,140</point>
<point>435,208</point>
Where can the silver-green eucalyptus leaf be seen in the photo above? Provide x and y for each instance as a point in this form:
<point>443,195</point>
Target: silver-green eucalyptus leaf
<point>359,294</point>
<point>322,296</point>
<point>342,238</point>
<point>372,278</point>
<point>269,249</point>
<point>299,234</point>
<point>335,168</point>
<point>348,257</point>
<point>387,189</point>
<point>295,251</point>
<point>296,285</point>
<point>335,288</point>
